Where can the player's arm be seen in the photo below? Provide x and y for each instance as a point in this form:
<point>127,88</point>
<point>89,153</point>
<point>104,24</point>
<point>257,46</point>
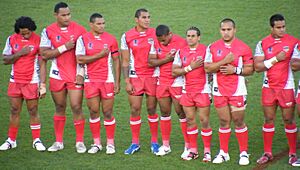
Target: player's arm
<point>153,61</point>
<point>9,57</point>
<point>43,73</point>
<point>117,66</point>
<point>295,61</point>
<point>47,52</point>
<point>213,67</point>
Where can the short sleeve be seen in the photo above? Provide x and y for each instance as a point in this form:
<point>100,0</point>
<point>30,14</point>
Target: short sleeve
<point>114,48</point>
<point>208,55</point>
<point>124,45</point>
<point>296,52</point>
<point>7,49</point>
<point>177,60</point>
<point>259,50</point>
<point>45,41</point>
<point>80,48</point>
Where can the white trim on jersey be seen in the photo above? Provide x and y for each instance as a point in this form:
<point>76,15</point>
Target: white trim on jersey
<point>110,75</point>
<point>258,50</point>
<point>124,45</point>
<point>54,69</point>
<point>208,55</point>
<point>45,41</point>
<point>156,72</point>
<point>177,60</point>
<point>80,48</point>
<point>35,77</point>
<point>7,49</point>
<point>289,83</point>
<point>152,49</point>
<point>131,65</point>
<point>178,82</point>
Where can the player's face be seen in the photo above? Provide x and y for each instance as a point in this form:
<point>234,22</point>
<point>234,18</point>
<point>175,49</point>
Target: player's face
<point>165,39</point>
<point>227,31</point>
<point>98,25</point>
<point>192,38</point>
<point>279,29</point>
<point>25,32</point>
<point>143,21</point>
<point>63,17</point>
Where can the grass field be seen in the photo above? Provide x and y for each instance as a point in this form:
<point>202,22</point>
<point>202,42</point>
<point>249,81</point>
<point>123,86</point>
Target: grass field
<point>252,19</point>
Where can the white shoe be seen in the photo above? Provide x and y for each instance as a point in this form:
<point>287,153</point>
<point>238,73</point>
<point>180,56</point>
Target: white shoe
<point>38,145</point>
<point>8,144</point>
<point>297,163</point>
<point>244,158</point>
<point>163,150</point>
<point>110,149</point>
<point>56,147</point>
<point>95,148</point>
<point>185,153</point>
<point>206,157</point>
<point>80,147</point>
<point>221,157</point>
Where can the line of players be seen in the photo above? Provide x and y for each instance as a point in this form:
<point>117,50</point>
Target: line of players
<point>163,66</point>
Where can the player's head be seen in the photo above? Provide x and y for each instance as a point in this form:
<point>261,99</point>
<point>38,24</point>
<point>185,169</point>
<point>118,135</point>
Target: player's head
<point>97,23</point>
<point>193,36</point>
<point>227,30</point>
<point>163,34</point>
<point>142,18</point>
<point>62,13</point>
<point>25,26</point>
<point>277,23</point>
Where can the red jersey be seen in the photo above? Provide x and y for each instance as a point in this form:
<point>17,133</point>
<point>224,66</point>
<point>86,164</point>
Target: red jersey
<point>165,70</point>
<point>229,85</point>
<point>63,66</point>
<point>139,44</point>
<point>89,45</point>
<point>279,76</point>
<point>196,81</point>
<point>26,68</point>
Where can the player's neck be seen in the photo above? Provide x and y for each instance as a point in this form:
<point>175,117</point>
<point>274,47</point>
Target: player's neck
<point>96,33</point>
<point>194,46</point>
<point>228,42</point>
<point>140,29</point>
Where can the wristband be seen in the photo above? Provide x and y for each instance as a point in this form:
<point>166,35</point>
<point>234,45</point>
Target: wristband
<point>62,49</point>
<point>269,63</point>
<point>188,68</point>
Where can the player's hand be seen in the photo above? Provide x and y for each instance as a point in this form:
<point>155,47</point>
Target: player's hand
<point>281,56</point>
<point>229,58</point>
<point>42,90</point>
<point>129,88</point>
<point>197,62</point>
<point>227,69</point>
<point>170,56</point>
<point>104,52</point>
<point>70,44</point>
<point>117,88</point>
<point>25,50</point>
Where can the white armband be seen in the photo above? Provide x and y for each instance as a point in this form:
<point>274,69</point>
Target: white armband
<point>238,70</point>
<point>62,49</point>
<point>269,63</point>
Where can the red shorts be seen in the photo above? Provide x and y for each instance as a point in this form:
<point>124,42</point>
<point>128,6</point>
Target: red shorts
<point>102,89</point>
<point>167,91</point>
<point>143,85</point>
<point>283,97</point>
<point>56,85</point>
<point>195,99</point>
<point>24,90</point>
<point>237,101</point>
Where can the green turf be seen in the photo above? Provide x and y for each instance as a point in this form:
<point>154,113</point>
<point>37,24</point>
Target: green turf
<point>252,19</point>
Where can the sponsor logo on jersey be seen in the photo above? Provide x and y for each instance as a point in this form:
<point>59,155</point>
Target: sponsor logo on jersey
<point>135,42</point>
<point>286,49</point>
<point>270,50</point>
<point>90,45</point>
<point>58,38</point>
<point>16,46</point>
<point>219,53</point>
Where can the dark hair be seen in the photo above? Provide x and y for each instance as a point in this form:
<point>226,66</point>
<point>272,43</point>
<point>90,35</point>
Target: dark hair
<point>276,17</point>
<point>139,11</point>
<point>60,5</point>
<point>94,16</point>
<point>162,30</point>
<point>194,29</point>
<point>24,22</point>
<point>227,20</point>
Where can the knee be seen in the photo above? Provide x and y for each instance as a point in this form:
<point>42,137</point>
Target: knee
<point>151,110</point>
<point>107,114</point>
<point>204,123</point>
<point>76,108</point>
<point>224,122</point>
<point>288,120</point>
<point>15,111</point>
<point>269,120</point>
<point>135,109</point>
<point>60,108</point>
<point>32,111</point>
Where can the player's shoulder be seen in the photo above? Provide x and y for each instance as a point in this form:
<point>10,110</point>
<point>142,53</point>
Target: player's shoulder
<point>241,43</point>
<point>291,38</point>
<point>216,43</point>
<point>201,47</point>
<point>52,26</point>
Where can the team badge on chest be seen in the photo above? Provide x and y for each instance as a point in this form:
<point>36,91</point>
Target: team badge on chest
<point>90,45</point>
<point>286,49</point>
<point>270,50</point>
<point>219,53</point>
<point>135,42</point>
<point>58,38</point>
<point>16,46</point>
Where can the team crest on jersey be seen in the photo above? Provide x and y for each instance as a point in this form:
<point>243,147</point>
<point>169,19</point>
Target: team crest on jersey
<point>105,45</point>
<point>135,42</point>
<point>286,48</point>
<point>16,46</point>
<point>31,47</point>
<point>90,45</point>
<point>219,53</point>
<point>150,40</point>
<point>58,38</point>
<point>270,50</point>
<point>159,51</point>
<point>184,59</point>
